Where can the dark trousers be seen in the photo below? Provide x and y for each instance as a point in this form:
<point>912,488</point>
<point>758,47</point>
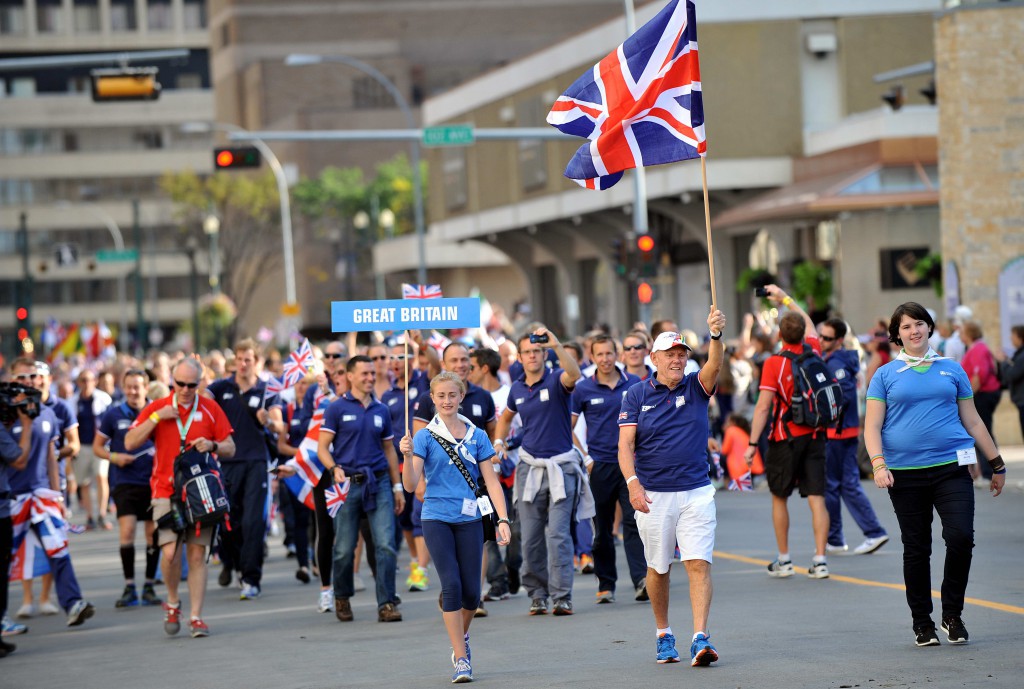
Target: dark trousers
<point>300,523</point>
<point>986,403</point>
<point>948,490</point>
<point>324,551</point>
<point>498,568</point>
<point>242,546</point>
<point>457,551</point>
<point>609,487</point>
<point>6,542</point>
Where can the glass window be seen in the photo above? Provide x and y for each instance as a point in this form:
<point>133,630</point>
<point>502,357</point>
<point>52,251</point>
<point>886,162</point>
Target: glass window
<point>533,160</point>
<point>159,17</point>
<point>453,170</point>
<point>12,17</point>
<point>49,16</point>
<point>195,14</point>
<point>888,180</point>
<point>370,94</point>
<point>23,87</point>
<point>122,15</point>
<point>189,80</point>
<point>87,16</point>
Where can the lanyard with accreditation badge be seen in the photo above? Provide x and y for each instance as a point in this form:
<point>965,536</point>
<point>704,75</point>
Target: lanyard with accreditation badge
<point>184,428</point>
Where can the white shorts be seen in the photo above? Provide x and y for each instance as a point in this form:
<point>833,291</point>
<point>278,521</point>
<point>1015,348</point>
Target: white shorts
<point>687,518</point>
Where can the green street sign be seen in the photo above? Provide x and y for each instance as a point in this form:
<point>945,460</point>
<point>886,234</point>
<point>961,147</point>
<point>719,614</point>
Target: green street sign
<point>115,256</point>
<point>448,135</point>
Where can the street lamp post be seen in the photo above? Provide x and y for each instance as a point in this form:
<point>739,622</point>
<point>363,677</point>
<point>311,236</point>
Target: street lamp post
<point>193,283</point>
<point>211,226</point>
<point>295,60</point>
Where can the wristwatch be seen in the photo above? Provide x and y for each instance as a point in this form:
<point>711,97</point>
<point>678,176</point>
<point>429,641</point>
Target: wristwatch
<point>716,337</point>
<point>506,521</point>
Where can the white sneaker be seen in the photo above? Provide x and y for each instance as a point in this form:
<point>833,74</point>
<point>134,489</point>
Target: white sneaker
<point>48,608</point>
<point>326,603</point>
<point>26,611</point>
<point>818,570</point>
<point>358,583</point>
<point>870,545</point>
<point>835,549</point>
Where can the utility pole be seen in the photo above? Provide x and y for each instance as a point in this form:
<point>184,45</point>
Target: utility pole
<point>26,283</point>
<point>140,323</point>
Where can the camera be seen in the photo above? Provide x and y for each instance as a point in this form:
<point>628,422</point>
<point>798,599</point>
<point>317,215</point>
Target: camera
<point>761,292</point>
<point>15,396</point>
<point>538,339</point>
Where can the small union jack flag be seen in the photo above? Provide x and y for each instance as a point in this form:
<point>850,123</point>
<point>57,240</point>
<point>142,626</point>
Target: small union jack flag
<point>421,291</point>
<point>274,386</point>
<point>640,105</point>
<point>298,364</point>
<point>742,483</point>
<point>437,340</point>
<point>335,497</point>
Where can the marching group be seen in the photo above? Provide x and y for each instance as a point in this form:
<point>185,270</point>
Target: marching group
<point>509,466</point>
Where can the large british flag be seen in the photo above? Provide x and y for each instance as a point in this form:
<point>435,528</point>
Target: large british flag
<point>641,105</point>
<point>40,533</point>
<point>298,364</point>
<point>308,468</point>
<point>421,291</point>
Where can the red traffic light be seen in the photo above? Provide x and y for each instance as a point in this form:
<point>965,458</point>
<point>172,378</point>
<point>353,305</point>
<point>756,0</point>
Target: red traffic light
<point>236,157</point>
<point>645,243</point>
<point>22,334</point>
<point>225,158</point>
<point>644,292</point>
<point>21,313</point>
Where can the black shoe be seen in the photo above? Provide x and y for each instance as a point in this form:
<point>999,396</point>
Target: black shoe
<point>302,574</point>
<point>129,598</point>
<point>225,577</point>
<point>149,596</point>
<point>926,635</point>
<point>6,648</point>
<point>955,629</point>
<point>641,591</point>
<point>562,606</point>
<point>513,581</point>
<point>539,606</point>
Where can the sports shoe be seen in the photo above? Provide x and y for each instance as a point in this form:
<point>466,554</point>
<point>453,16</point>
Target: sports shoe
<point>12,628</point>
<point>417,579</point>
<point>326,603</point>
<point>463,672</point>
<point>641,591</point>
<point>26,611</point>
<point>667,652</point>
<point>198,628</point>
<point>818,570</point>
<point>388,613</point>
<point>496,593</point>
<point>586,564</point>
<point>870,545</point>
<point>172,618</point>
<point>48,608</point>
<point>149,596</point>
<point>481,611</point>
<point>6,649</point>
<point>605,597</point>
<point>955,629</point>
<point>835,549</point>
<point>224,578</point>
<point>562,607</point>
<point>80,611</point>
<point>926,635</point>
<point>249,592</point>
<point>469,653</point>
<point>302,574</point>
<point>342,609</point>
<point>90,524</point>
<point>539,606</point>
<point>702,653</point>
<point>780,570</point>
<point>128,599</point>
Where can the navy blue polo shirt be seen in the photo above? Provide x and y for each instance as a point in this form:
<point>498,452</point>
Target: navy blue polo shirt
<point>297,429</point>
<point>9,452</point>
<point>87,421</point>
<point>477,406</point>
<point>544,409</point>
<point>671,433</point>
<point>420,381</point>
<point>394,400</point>
<point>114,425</point>
<point>358,432</point>
<point>66,420</point>
<point>45,429</point>
<point>516,371</point>
<point>600,405</point>
<point>240,408</point>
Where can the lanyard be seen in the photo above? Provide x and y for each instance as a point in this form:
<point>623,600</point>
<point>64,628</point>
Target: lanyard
<point>184,428</point>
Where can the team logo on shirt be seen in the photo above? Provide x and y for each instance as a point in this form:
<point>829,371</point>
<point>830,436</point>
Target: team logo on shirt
<point>648,407</point>
<point>840,374</point>
<point>945,373</point>
<point>393,401</point>
<point>378,422</point>
<point>544,395</point>
<point>348,417</point>
<point>680,401</point>
<point>413,392</point>
<point>623,416</point>
<point>596,400</point>
<point>124,424</point>
<point>478,410</point>
<point>228,396</point>
<point>520,400</point>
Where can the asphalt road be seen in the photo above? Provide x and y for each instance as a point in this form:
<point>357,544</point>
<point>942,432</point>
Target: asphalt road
<point>852,630</point>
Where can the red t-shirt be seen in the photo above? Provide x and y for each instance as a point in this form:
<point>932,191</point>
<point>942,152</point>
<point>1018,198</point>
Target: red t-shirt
<point>777,376</point>
<point>209,422</point>
<point>978,361</point>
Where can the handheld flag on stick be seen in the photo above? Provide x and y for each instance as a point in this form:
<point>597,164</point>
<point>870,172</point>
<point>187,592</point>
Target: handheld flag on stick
<point>335,497</point>
<point>421,291</point>
<point>742,483</point>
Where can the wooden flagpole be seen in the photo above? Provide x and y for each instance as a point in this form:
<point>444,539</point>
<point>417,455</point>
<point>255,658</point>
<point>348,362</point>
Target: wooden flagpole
<point>407,419</point>
<point>707,222</point>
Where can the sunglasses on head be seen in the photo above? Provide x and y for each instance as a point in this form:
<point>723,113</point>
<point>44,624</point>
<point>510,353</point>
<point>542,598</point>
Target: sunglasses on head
<point>190,386</point>
<point>633,348</point>
<point>332,355</point>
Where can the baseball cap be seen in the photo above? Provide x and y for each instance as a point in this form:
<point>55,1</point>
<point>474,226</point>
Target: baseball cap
<point>667,340</point>
<point>962,313</point>
<point>42,368</point>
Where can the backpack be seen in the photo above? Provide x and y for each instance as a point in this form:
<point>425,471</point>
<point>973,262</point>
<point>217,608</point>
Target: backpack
<point>818,400</point>
<point>198,488</point>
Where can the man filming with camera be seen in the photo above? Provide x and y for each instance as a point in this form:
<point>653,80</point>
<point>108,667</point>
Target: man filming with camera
<point>182,421</point>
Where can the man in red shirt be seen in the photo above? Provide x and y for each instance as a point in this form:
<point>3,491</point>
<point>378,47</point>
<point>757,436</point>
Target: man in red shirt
<point>796,454</point>
<point>184,419</point>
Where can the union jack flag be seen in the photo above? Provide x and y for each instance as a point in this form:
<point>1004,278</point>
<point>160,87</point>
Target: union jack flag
<point>640,105</point>
<point>274,386</point>
<point>40,533</point>
<point>741,483</point>
<point>437,340</point>
<point>308,468</point>
<point>421,291</point>
<point>336,496</point>
<point>298,364</point>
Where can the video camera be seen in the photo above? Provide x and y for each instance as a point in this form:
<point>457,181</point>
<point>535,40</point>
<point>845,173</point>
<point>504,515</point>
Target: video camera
<point>15,396</point>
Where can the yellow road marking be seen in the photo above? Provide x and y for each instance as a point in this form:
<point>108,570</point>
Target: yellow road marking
<point>1003,607</point>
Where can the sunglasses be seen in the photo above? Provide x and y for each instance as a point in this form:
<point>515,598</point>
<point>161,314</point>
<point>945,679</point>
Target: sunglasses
<point>826,338</point>
<point>381,357</point>
<point>399,357</point>
<point>633,348</point>
<point>330,355</point>
<point>190,386</point>
<point>27,376</point>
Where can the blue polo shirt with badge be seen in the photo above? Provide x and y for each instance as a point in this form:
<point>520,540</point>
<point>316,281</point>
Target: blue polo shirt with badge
<point>45,429</point>
<point>240,408</point>
<point>66,420</point>
<point>544,409</point>
<point>114,425</point>
<point>447,488</point>
<point>394,400</point>
<point>671,433</point>
<point>358,432</point>
<point>600,405</point>
<point>477,406</point>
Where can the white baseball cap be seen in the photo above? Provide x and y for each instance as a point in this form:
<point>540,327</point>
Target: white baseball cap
<point>668,340</point>
<point>962,313</point>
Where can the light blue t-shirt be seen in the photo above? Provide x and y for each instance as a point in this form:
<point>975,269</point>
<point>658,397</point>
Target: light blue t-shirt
<point>922,426</point>
<point>446,486</point>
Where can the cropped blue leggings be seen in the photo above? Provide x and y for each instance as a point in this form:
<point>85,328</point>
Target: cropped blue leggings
<point>457,552</point>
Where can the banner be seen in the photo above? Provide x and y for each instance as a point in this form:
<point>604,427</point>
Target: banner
<point>404,314</point>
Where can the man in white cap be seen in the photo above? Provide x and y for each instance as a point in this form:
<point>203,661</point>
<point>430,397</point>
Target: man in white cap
<point>955,348</point>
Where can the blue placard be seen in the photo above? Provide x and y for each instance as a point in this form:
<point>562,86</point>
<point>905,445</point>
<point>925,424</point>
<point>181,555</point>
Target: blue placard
<point>405,314</point>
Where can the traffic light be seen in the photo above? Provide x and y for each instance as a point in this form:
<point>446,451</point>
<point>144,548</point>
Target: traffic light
<point>644,292</point>
<point>24,324</point>
<point>126,84</point>
<point>647,262</point>
<point>236,157</point>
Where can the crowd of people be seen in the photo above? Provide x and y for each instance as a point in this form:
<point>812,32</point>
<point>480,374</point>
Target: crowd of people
<point>507,463</point>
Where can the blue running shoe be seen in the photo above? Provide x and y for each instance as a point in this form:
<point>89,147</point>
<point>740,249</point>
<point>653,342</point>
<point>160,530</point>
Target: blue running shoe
<point>667,652</point>
<point>463,672</point>
<point>469,653</point>
<point>12,628</point>
<point>702,653</point>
